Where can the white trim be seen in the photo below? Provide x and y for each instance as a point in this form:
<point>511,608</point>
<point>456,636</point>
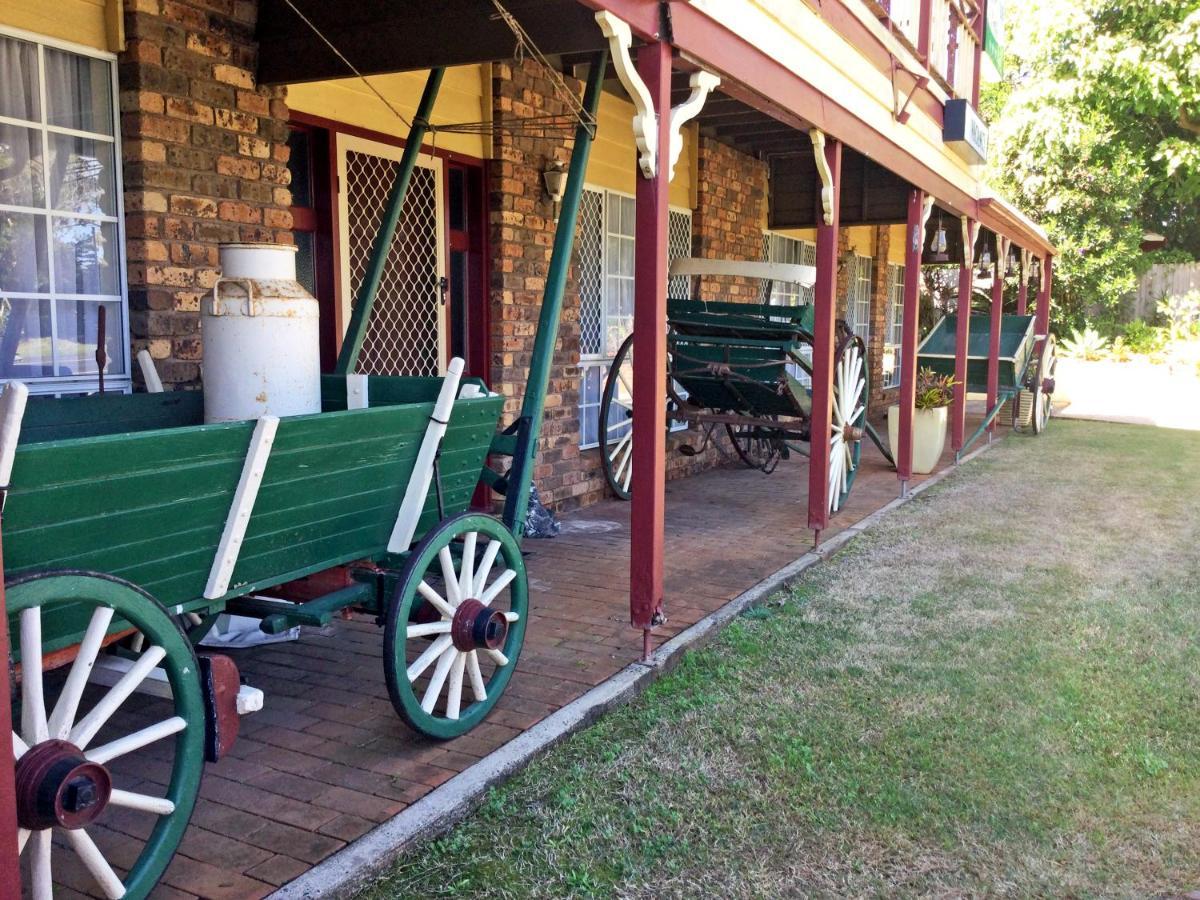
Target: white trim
<point>12,412</point>
<point>149,372</point>
<point>357,396</point>
<point>789,272</point>
<point>645,119</point>
<point>702,84</point>
<point>241,508</point>
<point>58,129</point>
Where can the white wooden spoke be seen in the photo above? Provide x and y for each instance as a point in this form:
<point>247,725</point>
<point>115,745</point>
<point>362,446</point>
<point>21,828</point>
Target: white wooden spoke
<point>466,571</point>
<point>449,577</point>
<point>63,716</point>
<point>625,454</point>
<point>20,748</point>
<point>424,629</point>
<point>434,689</point>
<point>436,600</point>
<point>497,586</point>
<point>137,739</point>
<point>22,839</point>
<point>85,848</point>
<point>485,566</point>
<point>621,449</point>
<point>33,705</point>
<point>39,866</point>
<point>82,734</point>
<point>629,470</point>
<point>478,688</point>
<point>425,660</point>
<point>625,382</point>
<point>160,806</point>
<point>497,657</point>
<point>614,426</point>
<point>454,691</point>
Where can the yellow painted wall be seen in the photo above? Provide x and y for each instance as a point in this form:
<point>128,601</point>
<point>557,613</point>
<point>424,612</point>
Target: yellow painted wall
<point>464,97</point>
<point>613,163</point>
<point>896,244</point>
<point>79,21</point>
<point>861,237</point>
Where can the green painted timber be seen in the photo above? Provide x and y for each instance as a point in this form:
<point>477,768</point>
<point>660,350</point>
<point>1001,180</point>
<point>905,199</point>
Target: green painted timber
<point>279,615</point>
<point>53,418</point>
<point>150,505</point>
<point>1016,345</point>
<point>542,359</point>
<point>356,331</point>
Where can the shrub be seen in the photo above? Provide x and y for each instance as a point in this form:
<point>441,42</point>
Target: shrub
<point>1121,351</point>
<point>933,390</point>
<point>1182,312</point>
<point>1086,344</point>
<point>1142,339</point>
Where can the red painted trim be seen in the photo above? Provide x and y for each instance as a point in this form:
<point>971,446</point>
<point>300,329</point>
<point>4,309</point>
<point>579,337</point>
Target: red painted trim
<point>924,27</point>
<point>993,370</point>
<point>648,515</point>
<point>642,16</point>
<point>962,336</point>
<point>10,864</point>
<point>754,77</point>
<point>1042,320</point>
<point>824,316</point>
<point>907,399</point>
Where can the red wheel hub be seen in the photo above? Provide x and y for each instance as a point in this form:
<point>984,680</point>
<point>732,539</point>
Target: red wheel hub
<point>58,787</point>
<point>478,627</point>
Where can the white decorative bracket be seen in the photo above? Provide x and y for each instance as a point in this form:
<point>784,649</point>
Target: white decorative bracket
<point>702,84</point>
<point>818,141</point>
<point>968,245</point>
<point>645,122</point>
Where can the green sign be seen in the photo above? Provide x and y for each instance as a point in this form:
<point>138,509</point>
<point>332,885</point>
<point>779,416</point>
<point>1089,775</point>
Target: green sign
<point>993,33</point>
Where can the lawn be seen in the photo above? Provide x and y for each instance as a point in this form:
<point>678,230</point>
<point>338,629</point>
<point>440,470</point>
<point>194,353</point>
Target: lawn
<point>993,691</point>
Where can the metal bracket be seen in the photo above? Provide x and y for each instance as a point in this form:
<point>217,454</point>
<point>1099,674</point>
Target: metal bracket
<point>702,84</point>
<point>645,122</point>
<point>818,141</point>
<point>900,110</point>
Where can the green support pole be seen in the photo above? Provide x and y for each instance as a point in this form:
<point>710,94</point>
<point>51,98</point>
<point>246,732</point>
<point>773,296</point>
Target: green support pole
<point>534,404</point>
<point>356,332</point>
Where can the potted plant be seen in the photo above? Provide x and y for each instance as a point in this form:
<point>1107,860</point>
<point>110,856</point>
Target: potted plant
<point>934,394</point>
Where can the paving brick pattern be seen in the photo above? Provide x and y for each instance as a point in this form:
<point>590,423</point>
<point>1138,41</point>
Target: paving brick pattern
<point>327,760</point>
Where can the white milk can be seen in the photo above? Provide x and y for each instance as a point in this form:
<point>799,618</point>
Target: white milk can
<point>262,351</point>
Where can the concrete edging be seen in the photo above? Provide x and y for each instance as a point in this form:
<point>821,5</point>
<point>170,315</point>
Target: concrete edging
<point>363,860</point>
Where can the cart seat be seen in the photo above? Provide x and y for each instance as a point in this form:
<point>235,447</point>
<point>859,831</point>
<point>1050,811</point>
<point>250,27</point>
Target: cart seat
<point>736,356</point>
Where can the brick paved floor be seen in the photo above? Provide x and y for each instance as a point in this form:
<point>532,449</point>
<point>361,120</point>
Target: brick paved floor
<point>326,760</point>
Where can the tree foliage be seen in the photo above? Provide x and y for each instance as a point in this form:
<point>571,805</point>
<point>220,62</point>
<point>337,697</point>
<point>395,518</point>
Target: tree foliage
<point>1097,133</point>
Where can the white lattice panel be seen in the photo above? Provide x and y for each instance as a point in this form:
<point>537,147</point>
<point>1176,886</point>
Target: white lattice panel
<point>406,332</point>
<point>589,250</point>
<point>679,246</point>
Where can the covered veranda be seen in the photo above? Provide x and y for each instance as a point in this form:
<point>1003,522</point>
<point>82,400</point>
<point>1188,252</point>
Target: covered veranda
<point>327,760</point>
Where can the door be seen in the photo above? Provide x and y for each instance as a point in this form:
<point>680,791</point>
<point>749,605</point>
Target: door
<point>408,331</point>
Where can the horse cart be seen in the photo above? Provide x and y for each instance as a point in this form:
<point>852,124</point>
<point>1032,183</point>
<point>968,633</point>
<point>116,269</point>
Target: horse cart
<point>746,369</point>
<point>1026,367</point>
<point>130,523</point>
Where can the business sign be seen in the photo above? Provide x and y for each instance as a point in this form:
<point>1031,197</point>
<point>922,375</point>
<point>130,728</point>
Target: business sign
<point>964,132</point>
<point>993,33</point>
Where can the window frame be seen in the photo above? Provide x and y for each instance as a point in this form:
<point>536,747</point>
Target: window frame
<point>894,318</point>
<point>602,359</point>
<point>77,384</point>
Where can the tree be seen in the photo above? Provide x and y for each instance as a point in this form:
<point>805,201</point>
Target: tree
<point>1096,132</point>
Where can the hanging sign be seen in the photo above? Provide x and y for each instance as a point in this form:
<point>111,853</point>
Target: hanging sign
<point>993,33</point>
<point>964,132</point>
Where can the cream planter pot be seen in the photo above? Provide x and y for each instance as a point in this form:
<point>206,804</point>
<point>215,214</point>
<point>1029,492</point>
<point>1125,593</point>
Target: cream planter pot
<point>929,436</point>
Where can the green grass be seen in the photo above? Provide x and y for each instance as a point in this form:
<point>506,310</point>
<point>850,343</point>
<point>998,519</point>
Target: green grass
<point>993,692</point>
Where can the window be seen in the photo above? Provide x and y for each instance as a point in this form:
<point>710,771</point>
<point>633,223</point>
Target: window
<point>61,234</point>
<point>780,248</point>
<point>858,301</point>
<point>604,254</point>
<point>894,324</point>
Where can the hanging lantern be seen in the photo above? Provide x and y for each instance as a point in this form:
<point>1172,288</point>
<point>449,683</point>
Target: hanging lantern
<point>939,243</point>
<point>985,263</point>
<point>1013,265</point>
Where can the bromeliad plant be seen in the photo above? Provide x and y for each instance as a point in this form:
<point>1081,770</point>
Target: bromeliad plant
<point>933,390</point>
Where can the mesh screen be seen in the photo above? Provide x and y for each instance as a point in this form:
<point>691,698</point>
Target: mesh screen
<point>403,335</point>
<point>589,249</point>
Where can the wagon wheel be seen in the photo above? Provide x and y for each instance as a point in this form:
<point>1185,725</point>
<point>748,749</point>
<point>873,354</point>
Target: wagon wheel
<point>66,782</point>
<point>849,419</point>
<point>616,421</point>
<point>1043,385</point>
<point>455,625</point>
<point>754,447</point>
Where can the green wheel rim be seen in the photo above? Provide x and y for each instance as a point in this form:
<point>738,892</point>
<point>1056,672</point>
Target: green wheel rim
<point>65,604</point>
<point>417,636</point>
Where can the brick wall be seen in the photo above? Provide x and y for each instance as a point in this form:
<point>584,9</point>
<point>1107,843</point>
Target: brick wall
<point>730,211</point>
<point>879,320</point>
<point>205,157</point>
<point>521,221</point>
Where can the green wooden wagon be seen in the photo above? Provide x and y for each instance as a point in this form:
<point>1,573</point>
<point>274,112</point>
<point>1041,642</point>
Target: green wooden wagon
<point>1026,372</point>
<point>129,525</point>
<point>744,368</point>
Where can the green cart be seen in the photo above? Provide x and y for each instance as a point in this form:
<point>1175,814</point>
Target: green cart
<point>129,525</point>
<point>746,369</point>
<point>1026,370</point>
